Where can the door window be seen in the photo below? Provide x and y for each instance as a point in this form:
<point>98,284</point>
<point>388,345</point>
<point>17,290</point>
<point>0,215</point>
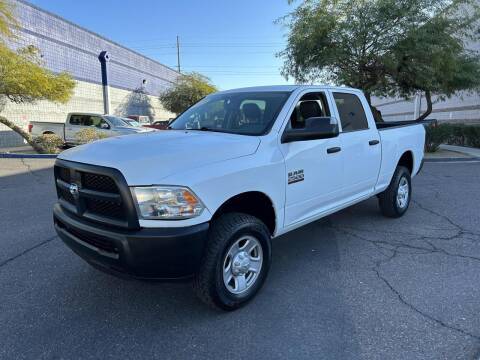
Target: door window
<point>76,120</point>
<point>309,106</point>
<point>351,112</point>
<point>96,121</point>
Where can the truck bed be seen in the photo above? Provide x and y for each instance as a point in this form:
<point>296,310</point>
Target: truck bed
<point>396,140</point>
<point>37,128</point>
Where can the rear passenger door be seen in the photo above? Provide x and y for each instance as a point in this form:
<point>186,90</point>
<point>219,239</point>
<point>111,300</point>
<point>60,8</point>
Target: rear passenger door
<point>360,143</point>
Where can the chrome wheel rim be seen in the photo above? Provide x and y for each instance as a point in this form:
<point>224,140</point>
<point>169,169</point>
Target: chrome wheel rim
<point>242,264</point>
<point>403,193</point>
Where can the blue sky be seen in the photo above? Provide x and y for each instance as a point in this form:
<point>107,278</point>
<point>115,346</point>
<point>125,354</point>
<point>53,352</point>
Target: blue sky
<point>232,42</point>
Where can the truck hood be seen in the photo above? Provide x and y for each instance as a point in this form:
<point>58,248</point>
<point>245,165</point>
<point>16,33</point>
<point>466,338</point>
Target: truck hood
<point>146,158</point>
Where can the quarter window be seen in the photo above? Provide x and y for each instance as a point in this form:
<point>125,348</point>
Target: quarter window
<point>350,110</point>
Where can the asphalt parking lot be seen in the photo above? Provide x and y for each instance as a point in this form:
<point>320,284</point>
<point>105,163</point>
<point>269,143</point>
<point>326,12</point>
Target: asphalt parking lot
<point>354,285</point>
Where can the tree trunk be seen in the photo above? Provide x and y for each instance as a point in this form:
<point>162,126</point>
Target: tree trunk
<point>428,97</point>
<point>37,147</point>
<point>377,115</point>
<point>369,98</point>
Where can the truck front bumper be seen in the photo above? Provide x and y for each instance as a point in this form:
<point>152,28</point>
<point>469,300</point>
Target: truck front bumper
<point>161,253</point>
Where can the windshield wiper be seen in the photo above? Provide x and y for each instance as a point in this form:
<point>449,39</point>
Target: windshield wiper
<point>204,128</point>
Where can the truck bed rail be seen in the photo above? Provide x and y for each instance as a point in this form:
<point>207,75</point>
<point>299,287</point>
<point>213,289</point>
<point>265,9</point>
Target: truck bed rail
<point>391,124</point>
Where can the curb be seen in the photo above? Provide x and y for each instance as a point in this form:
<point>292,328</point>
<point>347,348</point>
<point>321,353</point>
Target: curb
<point>466,159</point>
<point>27,156</point>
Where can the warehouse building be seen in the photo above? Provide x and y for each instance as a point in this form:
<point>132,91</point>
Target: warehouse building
<point>463,108</point>
<point>110,77</point>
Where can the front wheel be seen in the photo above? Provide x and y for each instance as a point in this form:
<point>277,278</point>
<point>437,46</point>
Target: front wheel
<point>236,261</point>
<point>394,201</point>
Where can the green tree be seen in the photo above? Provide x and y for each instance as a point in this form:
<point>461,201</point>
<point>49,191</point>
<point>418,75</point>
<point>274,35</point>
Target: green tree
<point>22,76</point>
<point>432,60</point>
<point>384,47</point>
<point>189,89</point>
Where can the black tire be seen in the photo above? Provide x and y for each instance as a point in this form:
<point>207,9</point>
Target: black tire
<point>388,198</point>
<point>225,231</point>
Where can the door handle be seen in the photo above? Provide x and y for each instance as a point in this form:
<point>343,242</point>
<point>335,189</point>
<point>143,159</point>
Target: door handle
<point>373,142</point>
<point>333,150</point>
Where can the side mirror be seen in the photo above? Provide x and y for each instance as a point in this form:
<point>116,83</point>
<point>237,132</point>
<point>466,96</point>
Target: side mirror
<point>104,126</point>
<point>315,128</point>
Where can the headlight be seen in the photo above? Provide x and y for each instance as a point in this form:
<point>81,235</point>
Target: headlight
<point>167,202</point>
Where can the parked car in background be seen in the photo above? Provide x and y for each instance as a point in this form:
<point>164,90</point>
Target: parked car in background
<point>106,124</point>
<point>131,122</point>
<point>159,124</point>
<point>206,198</point>
<point>142,119</point>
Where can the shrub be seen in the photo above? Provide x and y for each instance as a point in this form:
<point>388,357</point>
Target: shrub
<point>88,135</point>
<point>452,134</point>
<point>472,134</point>
<point>49,142</point>
<point>434,136</point>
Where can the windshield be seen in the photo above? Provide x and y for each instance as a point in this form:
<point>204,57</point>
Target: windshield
<point>116,121</point>
<point>246,113</point>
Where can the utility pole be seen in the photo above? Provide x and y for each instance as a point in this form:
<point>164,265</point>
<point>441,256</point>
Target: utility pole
<point>178,54</point>
<point>417,104</point>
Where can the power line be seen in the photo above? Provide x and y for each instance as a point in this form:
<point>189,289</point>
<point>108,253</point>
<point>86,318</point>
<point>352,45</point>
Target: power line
<point>209,45</point>
<point>208,52</point>
<point>259,74</point>
<point>206,39</point>
<point>228,66</point>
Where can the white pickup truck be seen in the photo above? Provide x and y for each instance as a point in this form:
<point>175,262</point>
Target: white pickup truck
<point>108,125</point>
<point>241,167</point>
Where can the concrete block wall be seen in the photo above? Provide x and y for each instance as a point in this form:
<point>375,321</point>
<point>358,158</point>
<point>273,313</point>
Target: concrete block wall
<point>87,98</point>
<point>462,108</point>
<point>135,80</point>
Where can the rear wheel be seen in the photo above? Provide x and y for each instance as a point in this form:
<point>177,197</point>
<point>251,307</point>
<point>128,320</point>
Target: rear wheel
<point>394,201</point>
<point>236,261</point>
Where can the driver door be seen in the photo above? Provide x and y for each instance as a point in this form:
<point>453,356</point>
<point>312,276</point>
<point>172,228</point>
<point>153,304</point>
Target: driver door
<point>102,126</point>
<point>314,168</point>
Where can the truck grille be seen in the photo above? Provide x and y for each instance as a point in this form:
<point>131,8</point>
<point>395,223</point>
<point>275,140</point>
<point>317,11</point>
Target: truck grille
<point>95,193</point>
<point>105,208</point>
<point>99,182</point>
<point>65,194</point>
